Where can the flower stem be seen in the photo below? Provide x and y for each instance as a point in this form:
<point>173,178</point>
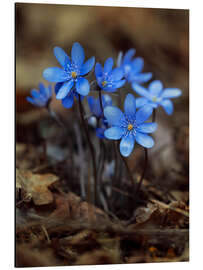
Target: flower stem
<point>154,115</point>
<point>143,172</point>
<point>90,147</point>
<point>116,163</point>
<point>100,101</point>
<point>128,170</point>
<point>101,161</point>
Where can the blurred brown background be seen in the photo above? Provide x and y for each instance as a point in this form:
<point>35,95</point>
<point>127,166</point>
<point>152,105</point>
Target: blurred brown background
<point>160,36</point>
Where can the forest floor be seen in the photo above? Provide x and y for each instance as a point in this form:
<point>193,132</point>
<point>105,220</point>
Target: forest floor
<point>57,225</point>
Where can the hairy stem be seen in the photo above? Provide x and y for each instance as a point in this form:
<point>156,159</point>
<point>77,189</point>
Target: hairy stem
<point>90,147</point>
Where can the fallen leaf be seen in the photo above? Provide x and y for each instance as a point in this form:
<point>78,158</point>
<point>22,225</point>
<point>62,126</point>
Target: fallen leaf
<point>142,214</point>
<point>36,186</point>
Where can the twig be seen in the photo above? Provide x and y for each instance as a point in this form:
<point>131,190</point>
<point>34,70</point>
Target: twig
<point>122,192</point>
<point>166,206</point>
<point>46,233</point>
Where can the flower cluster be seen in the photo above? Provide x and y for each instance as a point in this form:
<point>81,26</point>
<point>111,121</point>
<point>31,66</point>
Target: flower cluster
<point>129,126</point>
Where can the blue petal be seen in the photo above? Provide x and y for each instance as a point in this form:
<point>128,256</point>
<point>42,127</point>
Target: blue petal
<point>141,78</point>
<point>57,87</point>
<point>36,102</point>
<point>32,101</point>
<point>155,88</point>
<point>127,145</point>
<point>117,74</point>
<point>143,113</point>
<point>106,100</point>
<point>119,59</point>
<point>114,133</point>
<point>62,57</point>
<point>109,89</point>
<point>108,65</point>
<point>77,54</point>
<point>167,105</point>
<point>82,86</point>
<point>42,89</point>
<point>90,101</point>
<point>147,127</point>
<point>141,101</point>
<point>100,133</point>
<point>113,115</point>
<point>140,90</point>
<point>87,66</point>
<point>49,91</point>
<point>65,89</point>
<point>130,105</point>
<point>171,93</point>
<point>144,140</point>
<point>36,94</point>
<point>77,96</point>
<point>94,105</point>
<point>55,74</point>
<point>98,70</point>
<point>67,102</point>
<point>118,84</point>
<point>97,108</point>
<point>45,91</point>
<point>137,64</point>
<point>128,56</point>
<point>114,86</point>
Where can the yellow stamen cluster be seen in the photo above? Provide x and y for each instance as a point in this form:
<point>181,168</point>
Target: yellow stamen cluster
<point>104,83</point>
<point>73,74</point>
<point>130,126</point>
<point>154,99</point>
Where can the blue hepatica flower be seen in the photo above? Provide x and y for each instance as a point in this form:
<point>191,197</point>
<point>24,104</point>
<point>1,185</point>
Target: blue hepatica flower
<point>70,76</point>
<point>156,95</point>
<point>109,79</point>
<point>40,97</point>
<point>96,110</point>
<point>129,126</point>
<point>132,68</point>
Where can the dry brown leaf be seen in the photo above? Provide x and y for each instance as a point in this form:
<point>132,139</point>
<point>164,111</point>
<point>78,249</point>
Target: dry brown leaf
<point>71,206</point>
<point>36,186</point>
<point>142,214</point>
